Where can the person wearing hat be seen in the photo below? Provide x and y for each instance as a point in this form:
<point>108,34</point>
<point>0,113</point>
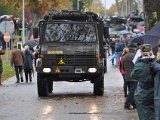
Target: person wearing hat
<point>132,83</point>
<point>144,94</point>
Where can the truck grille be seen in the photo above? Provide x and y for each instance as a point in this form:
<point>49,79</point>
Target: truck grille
<point>84,60</point>
<point>70,60</point>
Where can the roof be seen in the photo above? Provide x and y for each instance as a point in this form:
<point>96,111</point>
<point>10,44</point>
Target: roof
<point>72,15</point>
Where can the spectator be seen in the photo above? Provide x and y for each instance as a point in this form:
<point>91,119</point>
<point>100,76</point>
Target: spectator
<point>112,46</point>
<point>28,63</point>
<point>1,68</point>
<point>36,54</point>
<point>138,53</point>
<point>123,72</point>
<point>144,94</point>
<point>132,83</point>
<point>119,46</point>
<point>157,87</point>
<point>17,60</point>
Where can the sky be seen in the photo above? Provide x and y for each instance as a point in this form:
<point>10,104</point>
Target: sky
<point>109,3</point>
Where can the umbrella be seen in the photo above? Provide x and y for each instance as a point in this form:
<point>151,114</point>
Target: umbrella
<point>154,41</point>
<point>137,40</point>
<point>4,16</point>
<point>123,32</point>
<point>141,28</point>
<point>136,31</point>
<point>31,43</point>
<point>153,37</point>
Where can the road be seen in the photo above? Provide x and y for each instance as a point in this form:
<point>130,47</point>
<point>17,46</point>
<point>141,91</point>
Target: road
<point>69,101</point>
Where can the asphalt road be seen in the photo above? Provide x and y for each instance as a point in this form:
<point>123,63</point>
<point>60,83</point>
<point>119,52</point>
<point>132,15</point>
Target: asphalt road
<point>69,101</point>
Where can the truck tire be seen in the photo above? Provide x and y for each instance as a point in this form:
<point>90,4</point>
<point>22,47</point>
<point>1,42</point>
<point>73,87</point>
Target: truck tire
<point>42,85</point>
<point>50,86</point>
<point>99,86</point>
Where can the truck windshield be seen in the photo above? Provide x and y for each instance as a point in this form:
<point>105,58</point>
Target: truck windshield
<point>70,32</point>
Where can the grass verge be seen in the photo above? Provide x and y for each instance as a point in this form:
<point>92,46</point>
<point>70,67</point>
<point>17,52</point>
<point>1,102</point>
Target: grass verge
<point>7,70</point>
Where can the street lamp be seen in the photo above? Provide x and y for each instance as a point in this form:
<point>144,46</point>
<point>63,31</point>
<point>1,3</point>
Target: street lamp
<point>23,23</point>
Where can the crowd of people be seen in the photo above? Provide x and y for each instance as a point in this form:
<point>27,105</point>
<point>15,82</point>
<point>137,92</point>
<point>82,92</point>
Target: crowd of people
<point>140,69</point>
<point>22,60</point>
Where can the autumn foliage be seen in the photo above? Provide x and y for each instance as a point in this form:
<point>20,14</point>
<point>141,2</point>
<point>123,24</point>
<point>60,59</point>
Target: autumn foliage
<point>38,6</point>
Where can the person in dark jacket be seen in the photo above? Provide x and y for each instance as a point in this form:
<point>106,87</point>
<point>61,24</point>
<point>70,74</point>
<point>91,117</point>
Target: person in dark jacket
<point>1,68</point>
<point>17,60</point>
<point>156,66</point>
<point>144,94</point>
<point>112,46</point>
<point>28,64</point>
<point>119,46</point>
<point>132,83</point>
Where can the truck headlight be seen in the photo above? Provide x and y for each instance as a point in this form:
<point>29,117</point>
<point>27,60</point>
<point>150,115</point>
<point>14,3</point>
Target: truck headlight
<point>92,70</point>
<point>46,70</point>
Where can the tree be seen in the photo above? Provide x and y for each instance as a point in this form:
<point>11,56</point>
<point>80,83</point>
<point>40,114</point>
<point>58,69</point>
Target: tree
<point>94,6</point>
<point>118,7</point>
<point>36,8</point>
<point>150,12</point>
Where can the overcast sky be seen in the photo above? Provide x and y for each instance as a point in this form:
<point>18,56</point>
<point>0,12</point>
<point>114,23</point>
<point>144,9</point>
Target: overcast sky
<point>109,3</point>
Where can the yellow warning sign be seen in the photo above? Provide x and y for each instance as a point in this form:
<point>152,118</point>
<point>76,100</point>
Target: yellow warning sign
<point>61,62</point>
<point>57,70</point>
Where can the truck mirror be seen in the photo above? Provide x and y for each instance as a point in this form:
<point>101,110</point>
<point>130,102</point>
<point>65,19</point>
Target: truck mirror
<point>35,33</point>
<point>106,32</point>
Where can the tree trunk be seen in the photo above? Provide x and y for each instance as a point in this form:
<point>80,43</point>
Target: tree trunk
<point>149,10</point>
<point>157,2</point>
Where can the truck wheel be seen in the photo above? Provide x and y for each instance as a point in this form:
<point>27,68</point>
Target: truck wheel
<point>99,86</point>
<point>42,85</point>
<point>50,86</point>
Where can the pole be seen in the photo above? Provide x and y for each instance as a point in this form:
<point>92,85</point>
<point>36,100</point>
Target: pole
<point>77,4</point>
<point>23,23</point>
<point>6,51</point>
<point>6,44</point>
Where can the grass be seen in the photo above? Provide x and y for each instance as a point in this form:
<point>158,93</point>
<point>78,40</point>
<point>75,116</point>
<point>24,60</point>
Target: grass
<point>7,70</point>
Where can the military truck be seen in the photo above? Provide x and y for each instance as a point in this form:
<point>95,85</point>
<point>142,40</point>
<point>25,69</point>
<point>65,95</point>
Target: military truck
<point>71,49</point>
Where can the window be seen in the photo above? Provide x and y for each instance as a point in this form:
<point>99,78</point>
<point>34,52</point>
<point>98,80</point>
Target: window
<point>70,32</point>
